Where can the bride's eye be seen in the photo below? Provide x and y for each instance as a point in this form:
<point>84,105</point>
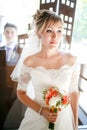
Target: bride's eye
<point>59,30</point>
<point>48,30</point>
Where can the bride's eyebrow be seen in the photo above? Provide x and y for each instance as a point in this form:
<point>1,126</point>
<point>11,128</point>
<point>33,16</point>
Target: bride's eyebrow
<point>49,28</point>
<point>59,27</point>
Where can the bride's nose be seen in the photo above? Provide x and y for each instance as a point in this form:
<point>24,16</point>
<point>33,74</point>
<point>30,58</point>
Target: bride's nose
<point>54,35</point>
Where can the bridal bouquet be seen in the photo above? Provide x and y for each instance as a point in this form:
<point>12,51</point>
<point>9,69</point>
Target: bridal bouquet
<point>55,101</point>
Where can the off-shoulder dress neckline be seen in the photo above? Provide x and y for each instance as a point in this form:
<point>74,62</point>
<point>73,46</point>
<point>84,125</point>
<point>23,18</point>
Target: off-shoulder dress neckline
<point>42,67</point>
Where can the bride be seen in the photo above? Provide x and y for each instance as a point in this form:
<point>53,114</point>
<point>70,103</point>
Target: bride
<point>48,67</point>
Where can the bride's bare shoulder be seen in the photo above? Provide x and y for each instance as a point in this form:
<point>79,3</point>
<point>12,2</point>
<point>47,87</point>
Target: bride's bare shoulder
<point>71,59</point>
<point>68,58</point>
<point>29,61</point>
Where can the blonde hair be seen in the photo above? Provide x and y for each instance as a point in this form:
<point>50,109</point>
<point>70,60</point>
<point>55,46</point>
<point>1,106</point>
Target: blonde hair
<point>44,17</point>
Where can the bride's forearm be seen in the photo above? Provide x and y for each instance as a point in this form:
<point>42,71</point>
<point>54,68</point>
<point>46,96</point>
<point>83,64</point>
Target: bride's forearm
<point>28,101</point>
<point>45,112</point>
<point>74,104</point>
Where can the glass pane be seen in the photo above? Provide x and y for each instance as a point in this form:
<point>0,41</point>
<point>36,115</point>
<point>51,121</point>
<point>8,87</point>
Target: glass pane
<point>83,85</point>
<point>82,101</point>
<point>84,73</point>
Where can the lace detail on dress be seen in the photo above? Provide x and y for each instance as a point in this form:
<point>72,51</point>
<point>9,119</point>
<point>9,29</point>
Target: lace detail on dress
<point>75,78</point>
<point>24,78</point>
<point>42,77</point>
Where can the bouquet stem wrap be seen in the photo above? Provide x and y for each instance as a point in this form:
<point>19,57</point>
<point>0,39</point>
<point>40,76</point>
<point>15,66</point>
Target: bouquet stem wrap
<point>51,125</point>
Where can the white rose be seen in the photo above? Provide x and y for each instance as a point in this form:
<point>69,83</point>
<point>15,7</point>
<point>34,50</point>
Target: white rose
<point>54,100</point>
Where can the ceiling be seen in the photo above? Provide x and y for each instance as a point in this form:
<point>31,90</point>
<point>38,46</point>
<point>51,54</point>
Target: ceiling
<point>18,7</point>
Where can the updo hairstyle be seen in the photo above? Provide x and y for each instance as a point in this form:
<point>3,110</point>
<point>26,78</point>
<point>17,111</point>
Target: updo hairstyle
<point>44,18</point>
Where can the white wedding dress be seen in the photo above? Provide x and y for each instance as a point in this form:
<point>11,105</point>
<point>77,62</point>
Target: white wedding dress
<point>41,79</point>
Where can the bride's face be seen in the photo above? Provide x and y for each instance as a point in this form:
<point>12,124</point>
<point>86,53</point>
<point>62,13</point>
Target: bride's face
<point>52,34</point>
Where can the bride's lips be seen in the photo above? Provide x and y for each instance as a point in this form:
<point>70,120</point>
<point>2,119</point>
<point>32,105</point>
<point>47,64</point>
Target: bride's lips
<point>53,42</point>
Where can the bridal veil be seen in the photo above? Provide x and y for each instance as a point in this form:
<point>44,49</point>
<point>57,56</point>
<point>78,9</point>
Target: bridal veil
<point>30,48</point>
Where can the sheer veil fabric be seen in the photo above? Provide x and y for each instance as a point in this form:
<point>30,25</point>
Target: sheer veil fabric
<point>30,48</point>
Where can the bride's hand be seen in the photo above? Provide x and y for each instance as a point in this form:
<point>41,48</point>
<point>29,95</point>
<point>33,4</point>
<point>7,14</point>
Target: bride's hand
<point>49,115</point>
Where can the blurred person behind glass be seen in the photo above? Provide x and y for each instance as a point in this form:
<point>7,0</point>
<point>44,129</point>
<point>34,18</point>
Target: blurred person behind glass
<point>10,43</point>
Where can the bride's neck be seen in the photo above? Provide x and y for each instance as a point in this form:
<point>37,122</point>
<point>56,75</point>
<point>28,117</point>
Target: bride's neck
<point>47,53</point>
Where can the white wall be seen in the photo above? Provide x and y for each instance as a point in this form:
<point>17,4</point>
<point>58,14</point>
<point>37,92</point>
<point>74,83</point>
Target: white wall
<point>18,12</point>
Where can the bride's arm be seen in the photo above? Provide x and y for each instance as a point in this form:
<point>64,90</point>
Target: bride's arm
<point>23,84</point>
<point>50,116</point>
<point>74,104</point>
<point>26,100</point>
<point>74,94</point>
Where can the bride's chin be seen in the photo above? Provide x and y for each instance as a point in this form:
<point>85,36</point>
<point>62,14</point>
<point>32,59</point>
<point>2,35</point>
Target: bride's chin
<point>54,45</point>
